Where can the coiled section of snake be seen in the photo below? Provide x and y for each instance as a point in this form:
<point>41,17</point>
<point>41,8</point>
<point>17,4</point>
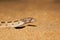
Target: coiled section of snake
<point>16,23</point>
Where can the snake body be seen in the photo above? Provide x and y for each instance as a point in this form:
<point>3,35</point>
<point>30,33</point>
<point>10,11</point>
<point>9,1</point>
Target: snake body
<point>16,23</point>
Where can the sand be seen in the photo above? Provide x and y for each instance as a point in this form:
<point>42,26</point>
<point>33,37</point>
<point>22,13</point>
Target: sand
<point>46,13</point>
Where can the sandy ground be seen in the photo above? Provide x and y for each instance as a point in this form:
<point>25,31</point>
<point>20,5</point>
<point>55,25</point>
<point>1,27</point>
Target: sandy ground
<point>46,13</point>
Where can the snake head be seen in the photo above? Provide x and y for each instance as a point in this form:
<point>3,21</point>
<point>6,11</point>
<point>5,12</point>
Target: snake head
<point>28,20</point>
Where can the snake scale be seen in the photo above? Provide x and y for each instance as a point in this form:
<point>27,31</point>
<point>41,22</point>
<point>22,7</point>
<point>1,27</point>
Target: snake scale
<point>16,23</point>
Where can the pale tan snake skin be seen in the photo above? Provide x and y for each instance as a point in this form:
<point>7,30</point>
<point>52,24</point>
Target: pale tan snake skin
<point>16,23</point>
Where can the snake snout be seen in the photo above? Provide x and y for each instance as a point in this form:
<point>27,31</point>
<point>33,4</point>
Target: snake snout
<point>30,19</point>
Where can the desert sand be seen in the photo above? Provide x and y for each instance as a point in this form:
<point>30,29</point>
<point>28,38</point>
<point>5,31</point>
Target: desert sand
<point>46,13</point>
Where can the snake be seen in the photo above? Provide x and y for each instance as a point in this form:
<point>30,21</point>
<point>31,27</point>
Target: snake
<point>17,23</point>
